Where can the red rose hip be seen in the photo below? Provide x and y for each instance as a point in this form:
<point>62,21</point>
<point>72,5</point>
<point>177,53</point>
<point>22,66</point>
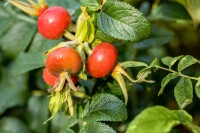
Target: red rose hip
<point>102,60</point>
<point>63,60</point>
<point>53,22</point>
<point>51,79</point>
<point>48,77</point>
<point>74,79</point>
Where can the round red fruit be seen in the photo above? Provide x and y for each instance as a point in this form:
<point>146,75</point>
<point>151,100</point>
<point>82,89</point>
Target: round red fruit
<point>53,22</point>
<point>102,60</point>
<point>63,60</point>
<point>48,77</point>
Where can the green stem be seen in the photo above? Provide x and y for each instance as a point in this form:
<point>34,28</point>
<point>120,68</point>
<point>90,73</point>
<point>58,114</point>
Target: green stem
<point>70,44</point>
<point>38,93</point>
<point>180,74</point>
<point>80,94</point>
<point>87,48</point>
<point>69,35</point>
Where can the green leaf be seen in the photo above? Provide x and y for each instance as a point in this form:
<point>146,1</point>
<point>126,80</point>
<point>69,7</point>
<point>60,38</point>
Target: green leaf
<point>12,87</point>
<point>154,62</point>
<point>197,88</point>
<point>156,38</point>
<point>169,61</point>
<point>104,37</point>
<point>186,61</point>
<point>171,11</point>
<point>157,118</point>
<point>166,80</point>
<point>198,82</point>
<point>183,92</point>
<point>70,123</point>
<point>66,131</point>
<point>183,116</point>
<point>59,122</point>
<point>122,21</point>
<point>12,125</point>
<point>17,38</point>
<point>40,44</point>
<point>154,119</point>
<point>128,64</point>
<point>26,62</point>
<point>96,127</point>
<point>105,107</point>
<point>5,24</point>
<point>70,5</point>
<point>142,74</point>
<point>113,88</point>
<point>92,5</point>
<point>186,120</point>
<point>38,112</point>
<point>12,92</point>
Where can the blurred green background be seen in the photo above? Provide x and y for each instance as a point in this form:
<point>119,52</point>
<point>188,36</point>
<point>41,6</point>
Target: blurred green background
<point>23,94</point>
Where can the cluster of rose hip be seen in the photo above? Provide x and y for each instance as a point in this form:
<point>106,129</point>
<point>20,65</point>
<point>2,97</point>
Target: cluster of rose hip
<point>70,60</point>
<point>65,61</point>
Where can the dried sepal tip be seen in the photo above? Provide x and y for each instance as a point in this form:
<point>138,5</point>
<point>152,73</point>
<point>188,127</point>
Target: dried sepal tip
<point>32,8</point>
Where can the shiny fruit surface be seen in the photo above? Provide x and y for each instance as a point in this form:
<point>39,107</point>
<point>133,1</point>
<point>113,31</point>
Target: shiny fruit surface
<point>102,60</point>
<point>63,59</point>
<point>48,77</point>
<point>53,22</point>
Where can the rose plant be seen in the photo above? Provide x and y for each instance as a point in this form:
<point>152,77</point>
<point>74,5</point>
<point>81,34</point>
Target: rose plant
<point>85,73</point>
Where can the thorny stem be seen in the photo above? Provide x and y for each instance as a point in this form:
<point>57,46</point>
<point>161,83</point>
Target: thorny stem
<point>172,71</point>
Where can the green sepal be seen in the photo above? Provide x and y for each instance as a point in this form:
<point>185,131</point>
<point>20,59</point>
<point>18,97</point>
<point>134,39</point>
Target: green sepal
<point>85,29</point>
